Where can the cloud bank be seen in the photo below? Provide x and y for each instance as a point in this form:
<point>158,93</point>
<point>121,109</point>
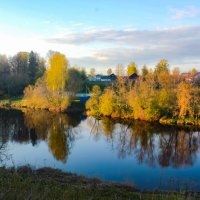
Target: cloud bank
<point>180,45</point>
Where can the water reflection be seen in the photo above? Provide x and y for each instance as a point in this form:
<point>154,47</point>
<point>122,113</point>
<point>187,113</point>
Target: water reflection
<point>150,144</point>
<point>34,126</point>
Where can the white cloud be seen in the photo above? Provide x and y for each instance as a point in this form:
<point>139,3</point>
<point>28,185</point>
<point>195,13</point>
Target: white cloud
<point>188,12</point>
<point>103,48</point>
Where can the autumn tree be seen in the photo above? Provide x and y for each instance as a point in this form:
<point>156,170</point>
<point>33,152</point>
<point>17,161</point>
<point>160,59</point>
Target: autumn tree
<point>193,71</point>
<point>57,73</point>
<point>119,70</point>
<point>162,66</point>
<point>92,105</point>
<point>131,69</point>
<point>145,71</point>
<point>92,72</point>
<point>109,71</point>
<point>184,98</point>
<point>106,102</point>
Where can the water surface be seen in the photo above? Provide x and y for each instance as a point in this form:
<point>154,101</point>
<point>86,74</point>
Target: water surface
<point>149,156</point>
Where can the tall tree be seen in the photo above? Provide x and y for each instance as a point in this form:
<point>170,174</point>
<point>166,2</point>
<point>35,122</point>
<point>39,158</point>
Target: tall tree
<point>145,71</point>
<point>57,73</point>
<point>76,81</point>
<point>131,69</point>
<point>119,70</point>
<point>162,66</point>
<point>19,63</point>
<point>33,64</point>
<point>92,72</point>
<point>4,74</point>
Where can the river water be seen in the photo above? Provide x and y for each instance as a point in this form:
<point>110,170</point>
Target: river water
<point>148,156</point>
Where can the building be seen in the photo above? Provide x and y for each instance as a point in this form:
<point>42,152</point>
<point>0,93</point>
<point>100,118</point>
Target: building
<point>102,78</point>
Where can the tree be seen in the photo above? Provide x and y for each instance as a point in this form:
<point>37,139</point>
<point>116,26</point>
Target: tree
<point>106,102</point>
<point>92,72</point>
<point>193,71</point>
<point>145,71</point>
<point>119,70</point>
<point>4,74</point>
<point>76,80</point>
<point>109,71</point>
<point>41,68</point>
<point>19,63</point>
<point>132,68</point>
<point>92,105</point>
<point>162,66</point>
<point>184,98</point>
<point>57,73</point>
<point>33,64</point>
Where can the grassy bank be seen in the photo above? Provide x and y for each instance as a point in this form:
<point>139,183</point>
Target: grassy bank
<point>16,103</point>
<point>10,102</point>
<point>47,183</point>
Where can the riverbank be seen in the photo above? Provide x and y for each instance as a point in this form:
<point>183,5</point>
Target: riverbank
<point>16,103</point>
<point>47,183</point>
<point>76,107</point>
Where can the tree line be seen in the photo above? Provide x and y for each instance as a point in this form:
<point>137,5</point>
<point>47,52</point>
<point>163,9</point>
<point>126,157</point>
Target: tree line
<point>156,95</point>
<point>17,71</point>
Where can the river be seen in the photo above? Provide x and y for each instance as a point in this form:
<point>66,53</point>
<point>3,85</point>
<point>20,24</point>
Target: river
<point>148,156</point>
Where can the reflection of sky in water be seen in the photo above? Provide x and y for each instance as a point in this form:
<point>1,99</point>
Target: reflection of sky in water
<point>113,156</point>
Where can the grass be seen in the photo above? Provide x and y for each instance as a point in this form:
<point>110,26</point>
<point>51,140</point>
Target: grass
<point>47,183</point>
<point>8,102</point>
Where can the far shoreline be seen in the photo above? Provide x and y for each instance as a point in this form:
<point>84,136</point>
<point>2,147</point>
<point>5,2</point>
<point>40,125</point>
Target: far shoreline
<point>78,107</point>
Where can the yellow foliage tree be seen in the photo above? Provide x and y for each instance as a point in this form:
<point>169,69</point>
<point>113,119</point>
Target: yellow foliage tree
<point>106,102</point>
<point>184,98</point>
<point>132,68</point>
<point>57,73</point>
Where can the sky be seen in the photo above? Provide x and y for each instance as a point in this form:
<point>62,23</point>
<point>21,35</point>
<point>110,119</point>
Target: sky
<point>103,33</point>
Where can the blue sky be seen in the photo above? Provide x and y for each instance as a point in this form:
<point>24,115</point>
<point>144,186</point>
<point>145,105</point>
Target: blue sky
<point>104,33</point>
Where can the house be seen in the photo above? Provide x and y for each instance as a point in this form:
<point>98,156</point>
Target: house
<point>133,77</point>
<point>196,76</point>
<point>186,76</point>
<point>102,78</point>
<point>113,77</point>
<point>191,77</point>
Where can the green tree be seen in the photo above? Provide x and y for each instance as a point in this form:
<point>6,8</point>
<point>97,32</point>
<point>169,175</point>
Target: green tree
<point>33,64</point>
<point>76,80</point>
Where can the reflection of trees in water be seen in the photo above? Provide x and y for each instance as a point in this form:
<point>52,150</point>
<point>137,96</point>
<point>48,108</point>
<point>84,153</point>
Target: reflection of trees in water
<point>57,128</point>
<point>3,153</point>
<point>178,148</point>
<point>150,143</point>
<point>35,125</point>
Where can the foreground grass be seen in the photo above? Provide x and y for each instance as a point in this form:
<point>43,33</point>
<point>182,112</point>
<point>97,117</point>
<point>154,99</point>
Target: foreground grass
<point>47,183</point>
